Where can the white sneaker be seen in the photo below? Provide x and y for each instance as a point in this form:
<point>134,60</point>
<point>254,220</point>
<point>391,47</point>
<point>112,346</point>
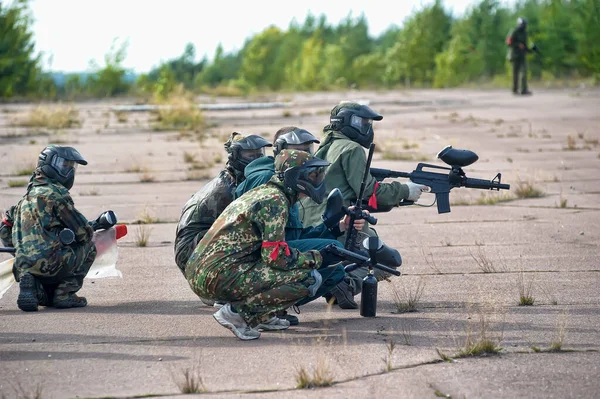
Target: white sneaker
<point>234,322</point>
<point>218,304</point>
<point>274,324</point>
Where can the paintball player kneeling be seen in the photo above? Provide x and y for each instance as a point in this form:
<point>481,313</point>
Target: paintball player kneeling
<point>49,271</point>
<point>243,259</point>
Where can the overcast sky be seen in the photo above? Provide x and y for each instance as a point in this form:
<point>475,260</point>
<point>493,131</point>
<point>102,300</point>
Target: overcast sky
<point>71,33</point>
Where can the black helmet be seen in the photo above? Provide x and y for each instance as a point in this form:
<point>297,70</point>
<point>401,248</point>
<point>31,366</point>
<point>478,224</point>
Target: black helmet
<point>301,172</point>
<point>295,137</point>
<point>355,121</point>
<point>243,150</point>
<point>522,22</point>
<point>59,163</point>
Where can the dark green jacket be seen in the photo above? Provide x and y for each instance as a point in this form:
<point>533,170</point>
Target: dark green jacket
<point>516,37</point>
<point>348,161</point>
<point>259,172</point>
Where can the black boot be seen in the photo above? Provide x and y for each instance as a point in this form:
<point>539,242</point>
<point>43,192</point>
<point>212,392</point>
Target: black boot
<point>27,300</point>
<point>72,301</point>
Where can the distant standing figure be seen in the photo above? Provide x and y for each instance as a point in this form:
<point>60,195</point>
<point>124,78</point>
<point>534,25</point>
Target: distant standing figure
<point>517,43</point>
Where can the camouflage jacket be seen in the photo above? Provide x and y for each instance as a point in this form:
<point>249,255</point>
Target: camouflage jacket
<point>46,209</point>
<point>259,172</point>
<point>516,37</point>
<point>6,227</point>
<point>251,230</point>
<point>348,161</point>
<point>200,212</point>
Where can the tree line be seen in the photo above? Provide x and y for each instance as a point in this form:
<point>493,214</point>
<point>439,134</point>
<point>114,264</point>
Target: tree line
<point>430,48</point>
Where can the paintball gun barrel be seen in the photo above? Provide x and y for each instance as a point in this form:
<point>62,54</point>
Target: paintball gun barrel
<point>442,183</point>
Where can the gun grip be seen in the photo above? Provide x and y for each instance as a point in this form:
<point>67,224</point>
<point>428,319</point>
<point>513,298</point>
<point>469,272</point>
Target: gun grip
<point>443,202</point>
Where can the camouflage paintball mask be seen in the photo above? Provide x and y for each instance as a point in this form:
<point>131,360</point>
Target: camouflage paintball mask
<point>295,139</point>
<point>245,149</point>
<point>301,172</point>
<point>355,121</point>
<point>59,163</point>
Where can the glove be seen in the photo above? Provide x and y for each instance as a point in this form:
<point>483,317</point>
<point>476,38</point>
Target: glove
<point>415,190</point>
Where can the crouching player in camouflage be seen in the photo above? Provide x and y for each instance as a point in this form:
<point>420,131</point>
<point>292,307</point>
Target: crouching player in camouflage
<point>203,208</point>
<point>244,260</point>
<point>49,272</point>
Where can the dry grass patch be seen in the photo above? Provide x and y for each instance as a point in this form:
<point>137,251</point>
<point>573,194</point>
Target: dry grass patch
<point>394,155</point>
<point>194,175</point>
<point>17,183</point>
<point>407,301</point>
<point>190,380</point>
<point>390,346</point>
<point>321,376</point>
<point>52,117</point>
<point>179,112</point>
<point>525,290</point>
<point>147,177</point>
<point>479,339</point>
<point>142,235</point>
<point>526,189</point>
<point>122,116</point>
<point>560,333</point>
<point>146,216</point>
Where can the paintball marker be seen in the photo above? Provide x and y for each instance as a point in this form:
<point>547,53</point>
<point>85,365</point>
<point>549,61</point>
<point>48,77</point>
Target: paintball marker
<point>536,49</point>
<point>105,221</point>
<point>442,183</point>
<point>378,252</point>
<point>376,247</point>
<point>357,212</point>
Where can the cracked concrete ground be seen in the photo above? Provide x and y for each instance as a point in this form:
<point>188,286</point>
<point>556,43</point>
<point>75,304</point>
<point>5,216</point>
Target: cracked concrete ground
<point>140,333</point>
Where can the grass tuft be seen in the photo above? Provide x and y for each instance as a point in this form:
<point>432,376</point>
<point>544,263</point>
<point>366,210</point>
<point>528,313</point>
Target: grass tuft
<point>142,235</point>
<point>58,117</point>
<point>408,301</point>
<point>525,290</point>
<point>180,112</point>
<point>17,183</point>
<point>390,347</point>
<point>526,189</point>
<point>321,376</point>
<point>191,381</point>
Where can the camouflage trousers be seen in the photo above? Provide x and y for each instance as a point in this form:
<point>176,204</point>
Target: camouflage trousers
<point>256,293</point>
<point>61,275</point>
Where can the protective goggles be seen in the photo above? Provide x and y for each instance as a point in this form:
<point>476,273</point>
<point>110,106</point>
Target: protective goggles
<point>251,155</point>
<point>360,123</point>
<point>63,166</point>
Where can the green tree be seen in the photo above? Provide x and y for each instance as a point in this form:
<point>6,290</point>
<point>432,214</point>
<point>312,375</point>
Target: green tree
<point>19,68</point>
<point>110,80</point>
<point>588,36</point>
<point>422,37</point>
<point>259,59</point>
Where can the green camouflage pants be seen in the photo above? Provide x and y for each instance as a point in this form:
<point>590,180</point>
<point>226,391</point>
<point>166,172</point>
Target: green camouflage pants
<point>61,275</point>
<point>256,293</point>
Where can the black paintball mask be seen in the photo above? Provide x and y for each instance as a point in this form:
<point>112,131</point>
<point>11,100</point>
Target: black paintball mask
<point>59,163</point>
<point>246,150</point>
<point>301,172</point>
<point>355,121</point>
<point>297,139</point>
<point>521,23</point>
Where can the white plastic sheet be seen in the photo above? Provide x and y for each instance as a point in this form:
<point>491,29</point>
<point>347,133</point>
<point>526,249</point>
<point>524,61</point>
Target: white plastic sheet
<point>105,264</point>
